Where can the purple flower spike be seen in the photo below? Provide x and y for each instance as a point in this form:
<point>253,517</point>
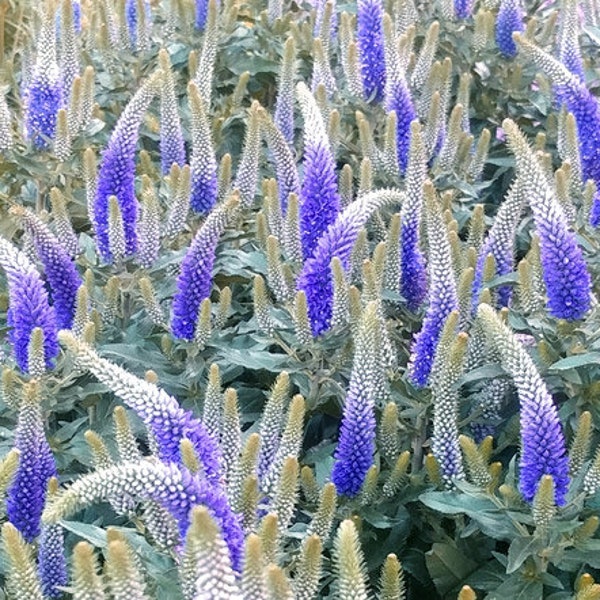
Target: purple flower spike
<point>28,306</point>
<point>371,47</point>
<point>52,564</point>
<point>27,492</point>
<point>61,273</point>
<point>44,93</point>
<point>354,453</point>
<point>316,278</point>
<point>509,20</point>
<point>398,98</point>
<point>131,15</point>
<point>443,298</point>
<point>195,279</point>
<point>117,172</point>
<point>500,244</point>
<point>543,450</point>
<point>320,202</point>
<point>463,8</point>
<point>568,282</point>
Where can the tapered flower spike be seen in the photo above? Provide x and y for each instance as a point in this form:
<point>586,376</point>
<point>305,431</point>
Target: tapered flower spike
<point>270,537</point>
<point>173,488</point>
<point>202,162</point>
<point>8,468</point>
<point>28,306</point>
<point>117,172</point>
<point>398,99</point>
<point>391,581</point>
<point>480,157</point>
<point>231,436</point>
<point>203,329</point>
<point>349,563</point>
<point>160,412</point>
<point>397,476</point>
<point>316,278</point>
<point>356,445</point>
<point>566,276</point>
<point>284,108</point>
<point>247,173</point>
<point>543,449</point>
<point>69,52</point>
<point>85,581</point>
<point>388,432</point>
<point>308,573</point>
<point>126,443</point>
<point>262,306</point>
<point>278,585</point>
<point>569,151</point>
<point>443,297</point>
<point>253,582</point>
<point>6,127</point>
<point>371,47</point>
<point>426,56</point>
<point>22,581</point>
<point>151,303</point>
<point>271,423</point>
<point>117,243</point>
<point>467,593</point>
<point>44,91</point>
<point>60,271</point>
<point>476,463</point>
<point>322,521</point>
<point>544,507</point>
<point>62,136</point>
<point>508,21</point>
<point>586,530</point>
<point>285,492</point>
<point>206,568</point>
<point>179,202</point>
<point>320,200</point>
<point>413,281</point>
<point>322,75</point>
<point>124,579</point>
<point>578,100</point>
<point>569,52</point>
<point>62,223</point>
<point>500,243</point>
<point>74,108</point>
<point>172,149</point>
<point>195,280</point>
<point>36,363</point>
<point>581,444</point>
<point>26,494</point>
<point>52,564</point>
<point>245,466</point>
<point>206,64</point>
<point>289,444</point>
<point>213,403</point>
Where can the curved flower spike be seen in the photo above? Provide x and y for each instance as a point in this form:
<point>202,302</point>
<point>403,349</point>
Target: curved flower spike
<point>543,450</point>
<point>117,171</point>
<point>174,488</point>
<point>371,47</point>
<point>316,280</point>
<point>28,306</point>
<point>168,422</point>
<point>567,279</point>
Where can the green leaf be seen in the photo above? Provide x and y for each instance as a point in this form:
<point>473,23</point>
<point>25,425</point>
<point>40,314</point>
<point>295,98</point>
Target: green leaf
<point>579,360</point>
<point>520,550</point>
<point>516,587</point>
<point>448,566</point>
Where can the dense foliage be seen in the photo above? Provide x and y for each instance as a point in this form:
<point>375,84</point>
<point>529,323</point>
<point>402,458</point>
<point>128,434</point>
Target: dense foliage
<point>299,301</point>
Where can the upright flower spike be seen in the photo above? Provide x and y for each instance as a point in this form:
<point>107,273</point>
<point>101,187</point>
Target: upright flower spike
<point>500,243</point>
<point>44,92</point>
<point>399,100</point>
<point>315,279</point>
<point>508,21</point>
<point>161,413</point>
<point>567,279</point>
<point>203,162</point>
<point>371,47</point>
<point>206,65</point>
<point>543,450</point>
<point>69,52</point>
<point>284,107</point>
<point>349,563</point>
<point>174,488</point>
<point>443,297</point>
<point>413,277</point>
<point>247,173</point>
<point>28,306</point>
<point>125,581</point>
<point>21,580</point>
<point>138,15</point>
<point>445,444</point>
<point>285,163</point>
<point>172,148</point>
<point>354,453</point>
<point>52,564</point>
<point>117,171</point>
<point>320,199</point>
<point>569,52</point>
<point>6,127</point>
<point>585,108</point>
<point>85,580</point>
<point>26,494</point>
<point>195,279</point>
<point>60,271</point>
<point>149,224</point>
<point>206,567</point>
